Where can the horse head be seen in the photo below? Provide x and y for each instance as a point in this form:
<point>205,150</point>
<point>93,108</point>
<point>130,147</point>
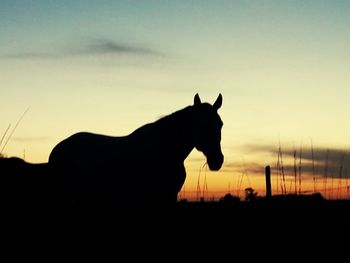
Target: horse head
<point>208,126</point>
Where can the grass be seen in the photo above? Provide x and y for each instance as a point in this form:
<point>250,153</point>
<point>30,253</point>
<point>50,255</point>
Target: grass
<point>11,133</point>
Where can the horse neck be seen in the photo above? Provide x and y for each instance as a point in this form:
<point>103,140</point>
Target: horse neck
<point>176,133</point>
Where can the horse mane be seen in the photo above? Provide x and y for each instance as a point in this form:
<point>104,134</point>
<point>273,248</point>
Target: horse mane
<point>186,115</point>
<point>175,115</point>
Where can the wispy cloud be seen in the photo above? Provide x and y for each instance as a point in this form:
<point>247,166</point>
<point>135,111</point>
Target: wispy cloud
<point>106,46</point>
<point>247,167</point>
<point>321,162</point>
<point>91,46</point>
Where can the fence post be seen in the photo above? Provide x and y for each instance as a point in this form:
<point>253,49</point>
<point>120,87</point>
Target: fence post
<point>268,181</point>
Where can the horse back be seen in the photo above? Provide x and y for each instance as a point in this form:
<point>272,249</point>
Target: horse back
<point>84,146</point>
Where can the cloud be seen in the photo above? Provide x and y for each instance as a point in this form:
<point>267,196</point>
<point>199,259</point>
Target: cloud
<point>91,46</point>
<point>330,162</point>
<point>106,46</point>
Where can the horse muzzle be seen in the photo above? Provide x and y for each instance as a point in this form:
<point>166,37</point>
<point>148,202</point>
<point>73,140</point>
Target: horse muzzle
<point>216,162</point>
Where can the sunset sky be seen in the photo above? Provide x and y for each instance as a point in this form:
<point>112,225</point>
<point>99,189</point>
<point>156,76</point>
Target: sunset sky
<point>283,68</point>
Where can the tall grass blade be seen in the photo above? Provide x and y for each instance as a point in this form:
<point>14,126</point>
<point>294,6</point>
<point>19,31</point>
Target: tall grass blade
<point>13,130</point>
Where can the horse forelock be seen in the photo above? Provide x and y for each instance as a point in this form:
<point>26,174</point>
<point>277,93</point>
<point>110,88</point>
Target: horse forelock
<point>206,113</point>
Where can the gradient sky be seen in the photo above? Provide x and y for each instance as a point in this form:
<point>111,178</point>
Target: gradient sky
<point>111,66</point>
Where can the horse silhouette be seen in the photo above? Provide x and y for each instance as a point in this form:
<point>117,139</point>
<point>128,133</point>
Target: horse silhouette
<point>146,166</point>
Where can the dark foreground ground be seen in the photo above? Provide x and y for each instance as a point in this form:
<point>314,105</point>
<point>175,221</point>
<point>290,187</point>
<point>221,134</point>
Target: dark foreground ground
<point>33,224</point>
<point>280,214</point>
<point>28,201</point>
<point>219,229</point>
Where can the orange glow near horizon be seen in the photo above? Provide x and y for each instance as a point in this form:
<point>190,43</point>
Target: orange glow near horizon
<point>207,189</point>
<point>203,183</point>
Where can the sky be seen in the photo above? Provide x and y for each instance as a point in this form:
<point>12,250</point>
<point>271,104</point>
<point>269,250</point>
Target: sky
<point>111,66</point>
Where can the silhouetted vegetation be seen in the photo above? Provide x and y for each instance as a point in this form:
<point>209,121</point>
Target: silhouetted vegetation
<point>230,199</point>
<point>250,194</point>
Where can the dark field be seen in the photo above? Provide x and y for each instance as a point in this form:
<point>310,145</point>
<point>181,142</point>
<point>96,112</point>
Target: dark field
<point>278,215</point>
<point>29,200</point>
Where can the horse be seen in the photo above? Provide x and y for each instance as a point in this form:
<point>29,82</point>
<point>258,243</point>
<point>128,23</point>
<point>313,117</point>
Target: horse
<point>145,166</point>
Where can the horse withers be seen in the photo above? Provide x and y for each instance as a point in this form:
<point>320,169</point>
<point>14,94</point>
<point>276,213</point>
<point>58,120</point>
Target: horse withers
<point>144,167</point>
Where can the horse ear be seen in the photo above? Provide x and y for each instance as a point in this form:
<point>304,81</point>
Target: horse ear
<point>217,104</point>
<point>197,100</point>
